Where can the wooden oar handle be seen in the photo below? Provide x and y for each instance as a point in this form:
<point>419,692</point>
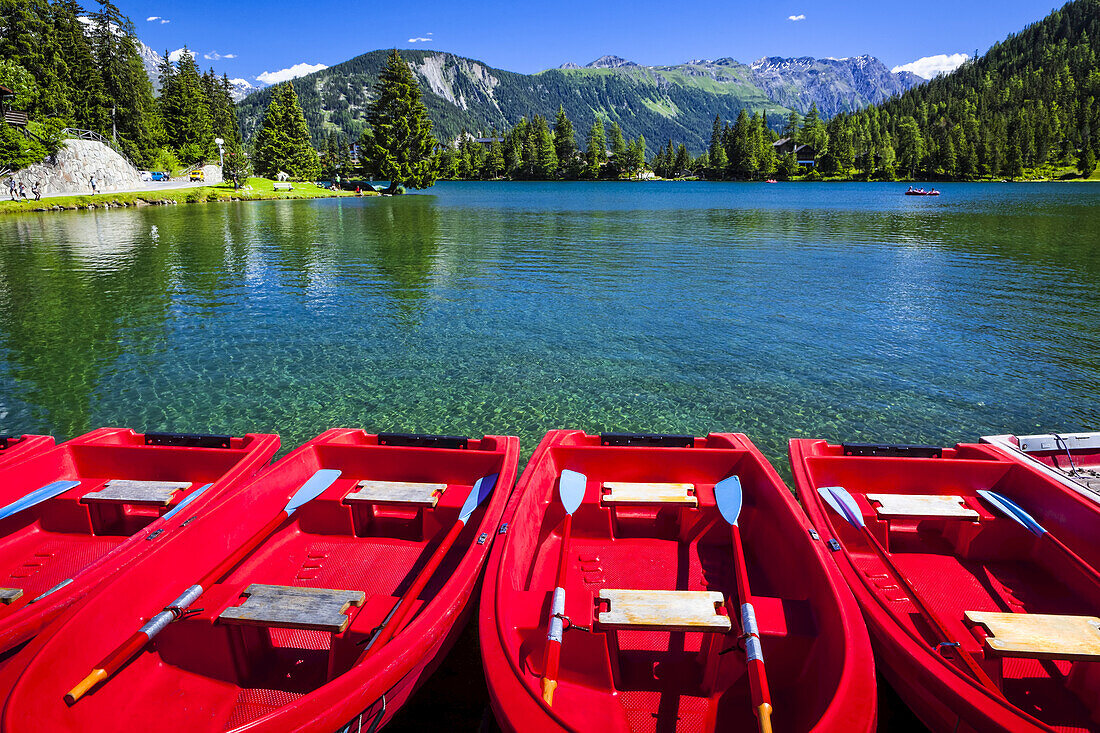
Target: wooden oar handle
<point>764,717</point>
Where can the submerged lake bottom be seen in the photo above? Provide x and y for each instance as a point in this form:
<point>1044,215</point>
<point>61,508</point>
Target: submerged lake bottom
<point>843,311</point>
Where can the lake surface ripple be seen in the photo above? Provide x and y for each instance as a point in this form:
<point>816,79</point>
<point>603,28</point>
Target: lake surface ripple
<point>848,312</point>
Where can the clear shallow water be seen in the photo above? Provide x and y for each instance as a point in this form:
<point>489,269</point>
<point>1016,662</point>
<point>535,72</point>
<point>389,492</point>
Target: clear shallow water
<point>848,312</point>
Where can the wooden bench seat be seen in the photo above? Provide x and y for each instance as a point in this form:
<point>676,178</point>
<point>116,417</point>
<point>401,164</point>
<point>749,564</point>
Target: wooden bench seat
<point>128,491</point>
<point>663,610</point>
<point>640,494</point>
<point>396,492</point>
<point>10,595</point>
<point>921,506</point>
<point>292,607</point>
<point>1040,636</point>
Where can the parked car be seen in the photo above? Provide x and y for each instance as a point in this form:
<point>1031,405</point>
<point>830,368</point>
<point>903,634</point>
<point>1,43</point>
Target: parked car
<point>198,175</point>
<point>160,176</point>
<point>146,175</point>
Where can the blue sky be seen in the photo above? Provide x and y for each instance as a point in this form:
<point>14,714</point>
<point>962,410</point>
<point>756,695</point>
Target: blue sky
<point>245,39</point>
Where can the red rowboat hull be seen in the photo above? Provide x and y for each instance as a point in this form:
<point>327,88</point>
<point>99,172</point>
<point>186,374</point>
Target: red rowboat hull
<point>203,673</point>
<point>943,695</point>
<point>72,539</point>
<point>18,448</point>
<point>661,681</point>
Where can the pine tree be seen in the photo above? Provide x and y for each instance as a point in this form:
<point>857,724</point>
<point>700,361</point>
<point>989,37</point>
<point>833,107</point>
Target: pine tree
<point>1086,162</point>
<point>546,155</point>
<point>617,145</point>
<point>283,142</point>
<point>90,109</point>
<point>597,149</point>
<point>717,159</point>
<point>683,161</point>
<point>187,119</point>
<point>813,131</point>
<point>235,164</point>
<point>565,143</point>
<point>494,163</point>
<point>403,141</point>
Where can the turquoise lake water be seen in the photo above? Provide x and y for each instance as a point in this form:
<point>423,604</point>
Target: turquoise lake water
<point>849,312</point>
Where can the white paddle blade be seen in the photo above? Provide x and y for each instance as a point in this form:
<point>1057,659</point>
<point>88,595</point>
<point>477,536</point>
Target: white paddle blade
<point>482,488</point>
<point>312,488</point>
<point>571,489</point>
<point>843,504</point>
<point>1012,510</point>
<point>729,496</point>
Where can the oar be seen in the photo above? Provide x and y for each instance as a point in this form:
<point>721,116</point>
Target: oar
<point>843,504</point>
<point>399,614</point>
<point>37,496</point>
<point>1014,511</point>
<point>152,525</point>
<point>729,495</point>
<point>114,661</point>
<point>571,493</point>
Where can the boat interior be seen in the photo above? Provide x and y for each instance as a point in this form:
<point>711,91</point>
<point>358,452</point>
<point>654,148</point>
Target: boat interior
<point>637,657</point>
<point>117,483</point>
<point>298,610</point>
<point>967,560</point>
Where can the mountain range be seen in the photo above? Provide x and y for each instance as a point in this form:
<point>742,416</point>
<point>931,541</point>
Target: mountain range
<point>676,102</point>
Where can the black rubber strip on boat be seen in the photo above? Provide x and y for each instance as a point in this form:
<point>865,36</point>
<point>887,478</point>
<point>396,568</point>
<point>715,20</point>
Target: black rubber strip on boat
<point>423,441</point>
<point>899,450</point>
<point>647,439</point>
<point>6,440</point>
<point>188,440</point>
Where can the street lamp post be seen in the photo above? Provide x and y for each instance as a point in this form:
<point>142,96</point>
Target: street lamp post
<point>221,152</point>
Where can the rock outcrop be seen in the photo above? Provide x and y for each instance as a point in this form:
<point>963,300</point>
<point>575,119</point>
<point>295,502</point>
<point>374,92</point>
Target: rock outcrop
<point>71,169</point>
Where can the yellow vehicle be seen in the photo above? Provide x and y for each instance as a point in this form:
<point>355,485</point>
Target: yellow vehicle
<point>198,175</point>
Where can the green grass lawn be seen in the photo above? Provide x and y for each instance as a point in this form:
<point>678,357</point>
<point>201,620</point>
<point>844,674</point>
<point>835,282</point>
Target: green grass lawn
<point>255,189</point>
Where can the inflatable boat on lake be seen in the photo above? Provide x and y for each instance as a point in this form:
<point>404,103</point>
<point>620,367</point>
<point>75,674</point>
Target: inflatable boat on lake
<point>661,583</point>
<point>315,599</point>
<point>1071,459</point>
<point>17,447</point>
<point>72,515</point>
<point>976,575</point>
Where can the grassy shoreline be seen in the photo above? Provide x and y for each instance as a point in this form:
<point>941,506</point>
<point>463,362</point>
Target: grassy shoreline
<point>257,189</point>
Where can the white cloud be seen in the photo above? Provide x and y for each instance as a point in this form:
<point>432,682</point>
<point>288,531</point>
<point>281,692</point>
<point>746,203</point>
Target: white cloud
<point>420,40</point>
<point>800,16</point>
<point>174,57</point>
<point>215,56</point>
<point>164,20</point>
<point>276,77</point>
<point>153,18</point>
<point>930,66</point>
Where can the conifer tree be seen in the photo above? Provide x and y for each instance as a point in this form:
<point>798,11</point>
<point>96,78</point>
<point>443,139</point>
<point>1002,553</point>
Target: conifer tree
<point>403,141</point>
<point>547,157</point>
<point>596,154</point>
<point>283,142</point>
<point>617,145</point>
<point>565,142</point>
<point>188,122</point>
<point>683,161</point>
<point>494,163</point>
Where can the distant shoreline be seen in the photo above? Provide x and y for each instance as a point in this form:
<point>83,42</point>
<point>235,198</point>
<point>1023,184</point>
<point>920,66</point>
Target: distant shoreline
<point>258,189</point>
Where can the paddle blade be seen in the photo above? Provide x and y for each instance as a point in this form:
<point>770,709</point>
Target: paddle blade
<point>729,496</point>
<point>1012,510</point>
<point>37,496</point>
<point>843,504</point>
<point>312,488</point>
<point>186,500</point>
<point>482,488</point>
<point>571,489</point>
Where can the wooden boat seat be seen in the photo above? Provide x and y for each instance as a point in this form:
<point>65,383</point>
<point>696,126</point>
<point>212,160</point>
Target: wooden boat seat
<point>1040,635</point>
<point>663,610</point>
<point>128,491</point>
<point>10,595</point>
<point>291,607</point>
<point>921,506</point>
<point>396,492</point>
<point>626,493</point>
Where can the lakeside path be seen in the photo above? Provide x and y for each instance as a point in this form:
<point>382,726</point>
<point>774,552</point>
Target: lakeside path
<point>179,192</point>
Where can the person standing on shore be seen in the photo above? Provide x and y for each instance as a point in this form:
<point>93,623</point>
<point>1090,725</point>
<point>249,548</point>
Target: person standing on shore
<point>36,189</point>
<point>91,181</point>
<point>11,187</point>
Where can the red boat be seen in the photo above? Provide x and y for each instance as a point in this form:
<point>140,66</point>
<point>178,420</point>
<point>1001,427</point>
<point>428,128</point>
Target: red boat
<point>74,514</point>
<point>1071,459</point>
<point>976,575</point>
<point>17,447</point>
<point>631,615</point>
<point>278,614</point>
